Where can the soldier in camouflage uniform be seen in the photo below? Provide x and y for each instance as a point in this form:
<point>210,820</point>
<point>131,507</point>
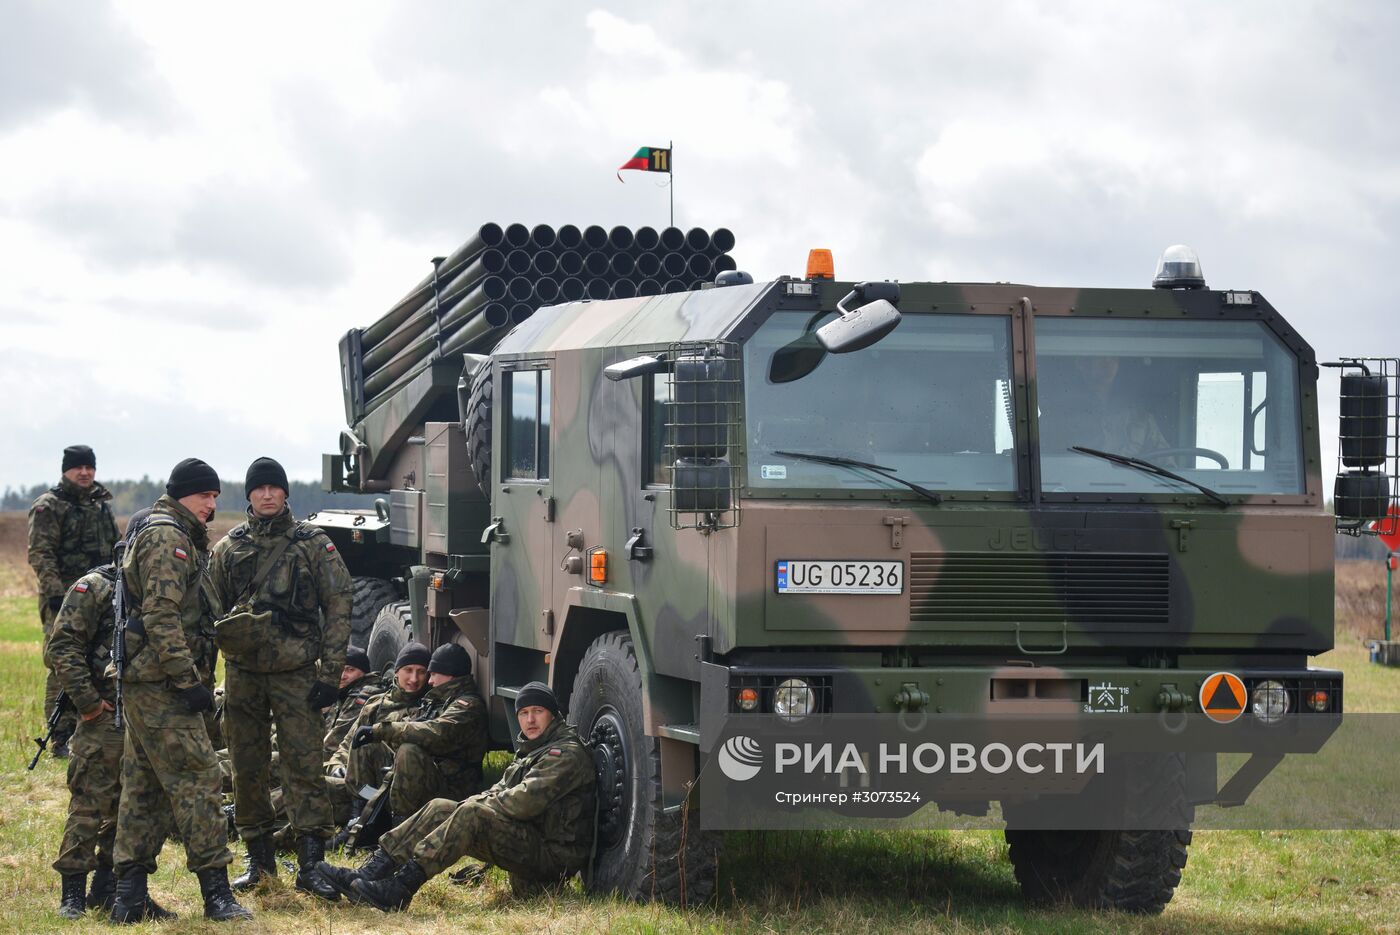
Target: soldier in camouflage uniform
<point>170,657</point>
<point>78,652</point>
<point>71,530</point>
<point>439,746</point>
<point>537,822</point>
<point>354,768</point>
<point>358,684</point>
<point>290,571</point>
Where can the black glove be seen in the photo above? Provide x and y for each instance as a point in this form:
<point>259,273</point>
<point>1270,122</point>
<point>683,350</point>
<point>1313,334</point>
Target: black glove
<point>322,695</point>
<point>362,736</point>
<point>197,698</point>
<point>55,603</point>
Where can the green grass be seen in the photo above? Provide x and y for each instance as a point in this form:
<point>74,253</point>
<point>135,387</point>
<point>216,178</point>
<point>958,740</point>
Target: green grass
<point>832,881</point>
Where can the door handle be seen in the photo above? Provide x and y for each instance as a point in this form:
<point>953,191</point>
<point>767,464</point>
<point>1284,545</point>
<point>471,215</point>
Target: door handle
<point>496,532</point>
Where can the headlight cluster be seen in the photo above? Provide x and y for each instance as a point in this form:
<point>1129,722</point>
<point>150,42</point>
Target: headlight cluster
<point>788,697</point>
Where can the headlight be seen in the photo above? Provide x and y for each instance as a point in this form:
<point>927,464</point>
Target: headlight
<point>1269,701</point>
<point>746,699</point>
<point>793,699</point>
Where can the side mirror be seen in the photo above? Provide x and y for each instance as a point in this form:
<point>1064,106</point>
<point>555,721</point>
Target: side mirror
<point>859,328</point>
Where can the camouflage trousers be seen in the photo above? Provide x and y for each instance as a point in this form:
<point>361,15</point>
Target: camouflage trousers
<point>169,768</point>
<point>418,779</point>
<point>252,702</point>
<point>95,790</point>
<point>52,686</point>
<point>444,831</point>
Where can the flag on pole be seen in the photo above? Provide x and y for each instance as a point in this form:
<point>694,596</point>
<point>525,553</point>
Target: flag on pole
<point>648,159</point>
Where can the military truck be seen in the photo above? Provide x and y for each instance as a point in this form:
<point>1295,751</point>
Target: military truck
<point>811,496</point>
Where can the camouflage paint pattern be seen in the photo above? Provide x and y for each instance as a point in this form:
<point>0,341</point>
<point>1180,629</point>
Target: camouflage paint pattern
<point>537,821</point>
<point>77,653</point>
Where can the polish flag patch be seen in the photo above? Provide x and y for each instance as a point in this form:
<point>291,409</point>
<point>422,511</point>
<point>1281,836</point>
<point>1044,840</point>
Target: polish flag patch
<point>80,587</point>
<point>555,751</point>
<point>181,554</point>
<point>330,546</point>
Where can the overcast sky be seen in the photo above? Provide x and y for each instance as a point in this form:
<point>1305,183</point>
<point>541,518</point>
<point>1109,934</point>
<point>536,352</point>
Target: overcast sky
<point>197,201</point>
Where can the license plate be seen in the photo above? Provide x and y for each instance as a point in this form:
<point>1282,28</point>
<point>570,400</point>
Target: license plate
<point>822,577</point>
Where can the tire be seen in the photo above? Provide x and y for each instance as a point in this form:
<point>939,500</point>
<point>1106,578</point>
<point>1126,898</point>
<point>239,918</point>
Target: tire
<point>390,632</point>
<point>370,596</point>
<point>642,852</point>
<point>1130,871</point>
<point>476,426</point>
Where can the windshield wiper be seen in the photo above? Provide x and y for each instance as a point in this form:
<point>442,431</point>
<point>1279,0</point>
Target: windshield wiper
<point>885,472</point>
<point>1150,468</point>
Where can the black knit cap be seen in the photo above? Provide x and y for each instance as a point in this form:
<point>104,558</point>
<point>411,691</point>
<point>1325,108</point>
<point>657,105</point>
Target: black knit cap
<point>451,659</point>
<point>192,476</point>
<point>539,694</point>
<point>78,456</point>
<point>413,654</point>
<point>357,658</point>
<point>264,471</point>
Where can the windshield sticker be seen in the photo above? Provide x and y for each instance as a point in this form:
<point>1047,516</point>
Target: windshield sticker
<point>773,472</point>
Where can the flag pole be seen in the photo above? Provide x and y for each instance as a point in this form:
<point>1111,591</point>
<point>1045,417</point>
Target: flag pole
<point>671,145</point>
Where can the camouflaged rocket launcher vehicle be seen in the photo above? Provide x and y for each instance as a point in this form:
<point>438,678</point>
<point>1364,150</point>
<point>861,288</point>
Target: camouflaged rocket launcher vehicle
<point>808,496</point>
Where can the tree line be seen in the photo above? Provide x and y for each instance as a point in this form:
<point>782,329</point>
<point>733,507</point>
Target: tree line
<point>128,496</point>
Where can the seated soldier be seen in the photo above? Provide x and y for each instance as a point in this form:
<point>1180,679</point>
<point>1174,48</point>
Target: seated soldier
<point>354,769</point>
<point>358,684</point>
<point>439,745</point>
<point>537,822</point>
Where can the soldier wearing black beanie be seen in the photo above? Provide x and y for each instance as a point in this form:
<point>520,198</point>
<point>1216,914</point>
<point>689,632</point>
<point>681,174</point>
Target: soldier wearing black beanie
<point>192,476</point>
<point>264,471</point>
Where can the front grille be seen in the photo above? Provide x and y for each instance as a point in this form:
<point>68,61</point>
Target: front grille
<point>1114,588</point>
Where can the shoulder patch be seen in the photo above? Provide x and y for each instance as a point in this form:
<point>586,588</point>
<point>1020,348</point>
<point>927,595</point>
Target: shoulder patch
<point>360,699</point>
<point>40,507</point>
<point>330,546</point>
<point>555,751</point>
<point>80,587</point>
<point>181,554</point>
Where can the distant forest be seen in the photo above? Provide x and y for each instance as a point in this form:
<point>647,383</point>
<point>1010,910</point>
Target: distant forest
<point>128,496</point>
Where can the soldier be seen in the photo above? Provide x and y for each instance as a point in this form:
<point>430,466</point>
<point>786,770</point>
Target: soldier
<point>358,684</point>
<point>169,669</point>
<point>354,768</point>
<point>537,822</point>
<point>438,747</point>
<point>293,592</point>
<point>77,652</point>
<point>71,530</point>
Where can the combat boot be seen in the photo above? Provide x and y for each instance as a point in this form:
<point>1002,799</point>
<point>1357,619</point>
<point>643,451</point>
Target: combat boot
<point>311,851</point>
<point>261,863</point>
<point>72,903</point>
<point>219,904</point>
<point>376,866</point>
<point>394,893</point>
<point>104,889</point>
<point>133,903</point>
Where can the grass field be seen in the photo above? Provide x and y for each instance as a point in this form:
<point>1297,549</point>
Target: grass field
<point>1235,881</point>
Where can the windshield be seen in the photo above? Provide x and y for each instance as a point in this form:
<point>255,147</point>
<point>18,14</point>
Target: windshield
<point>931,403</point>
<point>1216,402</point>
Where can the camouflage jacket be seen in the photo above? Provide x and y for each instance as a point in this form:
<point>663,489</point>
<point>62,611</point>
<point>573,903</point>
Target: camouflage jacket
<point>71,530</point>
<point>170,635</point>
<point>386,706</point>
<point>308,591</point>
<point>341,715</point>
<point>450,725</point>
<point>80,646</point>
<point>550,787</point>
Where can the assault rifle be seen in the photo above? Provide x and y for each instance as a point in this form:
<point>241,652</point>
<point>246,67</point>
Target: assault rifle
<point>61,705</point>
<point>119,611</point>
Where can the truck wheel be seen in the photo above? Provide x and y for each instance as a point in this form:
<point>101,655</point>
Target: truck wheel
<point>641,852</point>
<point>369,597</point>
<point>476,425</point>
<point>389,634</point>
<point>1130,871</point>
